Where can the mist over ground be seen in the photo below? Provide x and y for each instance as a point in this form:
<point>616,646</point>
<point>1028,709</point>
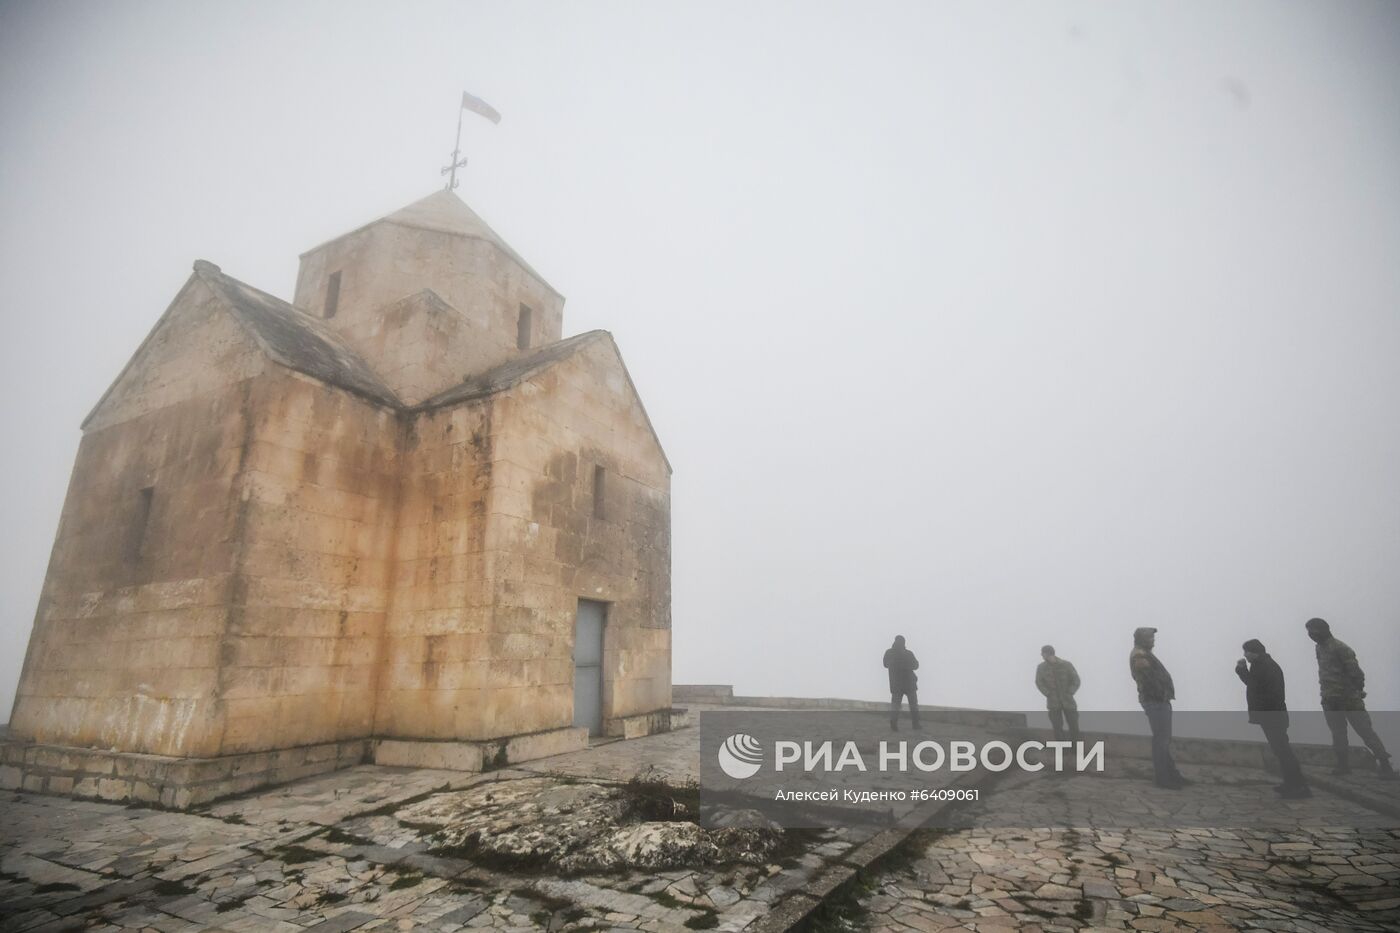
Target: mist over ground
<point>987,324</point>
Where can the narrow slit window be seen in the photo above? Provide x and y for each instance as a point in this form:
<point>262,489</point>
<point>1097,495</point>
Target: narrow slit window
<point>332,294</point>
<point>137,536</point>
<point>522,327</point>
<point>599,486</point>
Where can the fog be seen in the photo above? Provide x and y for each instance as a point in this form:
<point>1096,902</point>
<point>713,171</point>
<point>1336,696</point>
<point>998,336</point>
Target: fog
<point>988,324</point>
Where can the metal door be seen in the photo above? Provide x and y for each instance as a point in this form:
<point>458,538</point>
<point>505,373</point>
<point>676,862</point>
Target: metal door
<point>588,666</point>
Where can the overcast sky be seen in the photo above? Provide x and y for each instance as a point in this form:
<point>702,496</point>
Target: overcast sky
<point>989,324</point>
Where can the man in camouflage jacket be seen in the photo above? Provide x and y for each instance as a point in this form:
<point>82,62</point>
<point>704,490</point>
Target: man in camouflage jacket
<point>1155,693</point>
<point>1343,686</point>
<point>1057,680</point>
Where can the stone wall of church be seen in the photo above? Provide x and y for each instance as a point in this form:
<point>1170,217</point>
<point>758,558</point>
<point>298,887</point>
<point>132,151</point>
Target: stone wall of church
<point>315,568</point>
<point>498,540</point>
<point>550,546</point>
<point>318,495</point>
<point>433,681</point>
<point>248,616</point>
<point>125,648</point>
<point>415,348</point>
<point>196,349</point>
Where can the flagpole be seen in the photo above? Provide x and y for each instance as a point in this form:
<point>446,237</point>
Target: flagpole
<point>475,105</point>
<point>456,151</point>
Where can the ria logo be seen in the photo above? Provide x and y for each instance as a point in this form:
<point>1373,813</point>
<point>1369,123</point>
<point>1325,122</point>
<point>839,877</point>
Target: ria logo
<point>740,756</point>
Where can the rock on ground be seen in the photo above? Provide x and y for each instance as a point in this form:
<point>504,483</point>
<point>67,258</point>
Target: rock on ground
<point>574,828</point>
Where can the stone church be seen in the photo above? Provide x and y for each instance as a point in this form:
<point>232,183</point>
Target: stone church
<point>401,519</point>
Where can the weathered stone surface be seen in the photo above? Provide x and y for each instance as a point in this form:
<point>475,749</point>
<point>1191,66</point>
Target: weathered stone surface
<point>656,846</point>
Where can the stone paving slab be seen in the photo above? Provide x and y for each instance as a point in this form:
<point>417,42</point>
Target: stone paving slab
<point>1363,787</point>
<point>1337,868</point>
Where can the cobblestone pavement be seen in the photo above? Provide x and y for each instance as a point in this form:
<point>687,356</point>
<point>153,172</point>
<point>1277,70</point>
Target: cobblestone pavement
<point>334,853</point>
<point>1334,867</point>
<point>331,854</point>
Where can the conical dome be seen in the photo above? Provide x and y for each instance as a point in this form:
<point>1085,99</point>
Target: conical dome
<point>444,212</point>
<point>429,295</point>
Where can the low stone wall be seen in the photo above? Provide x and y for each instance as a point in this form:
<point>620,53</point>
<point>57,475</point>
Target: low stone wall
<point>723,695</point>
<point>178,783</point>
<point>701,693</point>
<point>1236,753</point>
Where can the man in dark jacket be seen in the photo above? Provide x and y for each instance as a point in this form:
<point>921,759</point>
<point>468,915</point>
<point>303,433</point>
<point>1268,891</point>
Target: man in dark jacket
<point>1264,694</point>
<point>903,681</point>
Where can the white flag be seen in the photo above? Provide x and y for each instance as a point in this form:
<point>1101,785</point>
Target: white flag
<point>477,105</point>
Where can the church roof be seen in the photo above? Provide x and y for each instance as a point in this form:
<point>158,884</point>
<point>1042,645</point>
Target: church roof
<point>511,372</point>
<point>444,212</point>
<point>294,338</point>
<point>304,343</point>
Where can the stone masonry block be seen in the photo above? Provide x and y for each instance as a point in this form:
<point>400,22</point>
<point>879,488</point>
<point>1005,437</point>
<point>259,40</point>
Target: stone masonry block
<point>113,789</point>
<point>177,798</point>
<point>86,787</point>
<point>144,791</point>
<point>141,767</point>
<point>543,744</point>
<point>70,759</point>
<point>450,756</point>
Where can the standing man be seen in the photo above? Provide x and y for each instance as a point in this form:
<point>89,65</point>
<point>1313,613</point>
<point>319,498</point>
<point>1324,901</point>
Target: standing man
<point>1344,699</point>
<point>1263,693</point>
<point>1058,681</point>
<point>903,681</point>
<point>1155,693</point>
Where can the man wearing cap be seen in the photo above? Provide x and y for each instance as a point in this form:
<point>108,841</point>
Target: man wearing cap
<point>1058,681</point>
<point>1264,694</point>
<point>1343,686</point>
<point>903,682</point>
<point>1155,693</point>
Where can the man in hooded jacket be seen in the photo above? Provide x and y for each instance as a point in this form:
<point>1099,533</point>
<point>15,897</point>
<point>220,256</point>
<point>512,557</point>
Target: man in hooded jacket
<point>1155,693</point>
<point>903,681</point>
<point>1264,695</point>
